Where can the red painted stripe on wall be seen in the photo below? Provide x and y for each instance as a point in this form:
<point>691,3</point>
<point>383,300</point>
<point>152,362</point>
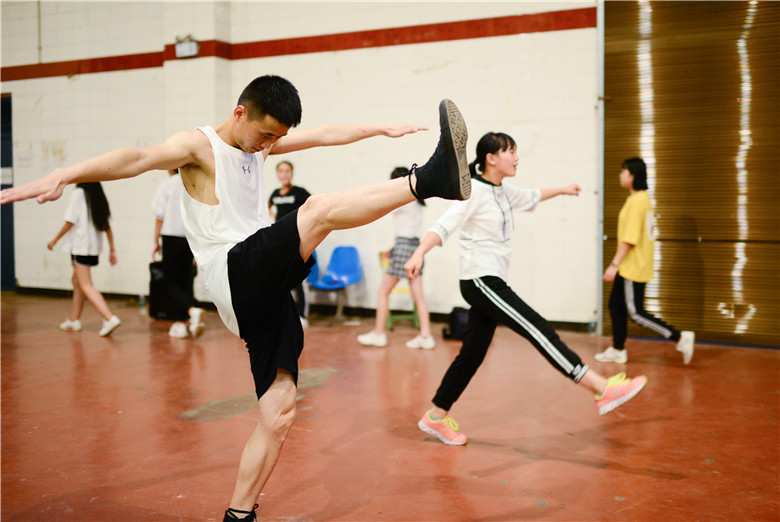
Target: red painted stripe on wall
<point>485,28</point>
<point>449,31</point>
<point>89,65</point>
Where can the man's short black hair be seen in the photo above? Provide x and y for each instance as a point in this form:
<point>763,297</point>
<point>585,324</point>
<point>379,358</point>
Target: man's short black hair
<point>273,96</point>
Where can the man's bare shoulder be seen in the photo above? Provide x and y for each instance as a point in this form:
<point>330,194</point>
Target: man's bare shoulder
<point>198,173</point>
<point>194,140</point>
<point>195,144</point>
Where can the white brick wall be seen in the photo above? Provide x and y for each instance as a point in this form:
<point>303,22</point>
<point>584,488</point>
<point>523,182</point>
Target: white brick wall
<point>540,88</point>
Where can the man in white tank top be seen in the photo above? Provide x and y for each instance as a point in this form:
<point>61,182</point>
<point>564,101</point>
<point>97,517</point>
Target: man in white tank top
<point>250,263</point>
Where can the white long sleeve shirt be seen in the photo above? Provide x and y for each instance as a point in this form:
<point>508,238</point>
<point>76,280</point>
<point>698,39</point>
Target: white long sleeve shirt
<point>486,224</point>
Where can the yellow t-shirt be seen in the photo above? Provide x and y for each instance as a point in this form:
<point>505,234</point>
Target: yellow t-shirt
<point>636,226</point>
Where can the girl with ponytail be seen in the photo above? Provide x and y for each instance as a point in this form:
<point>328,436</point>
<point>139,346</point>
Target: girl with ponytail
<point>486,225</point>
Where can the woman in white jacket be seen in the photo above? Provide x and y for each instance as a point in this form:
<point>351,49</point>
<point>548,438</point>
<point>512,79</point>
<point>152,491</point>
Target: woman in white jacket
<point>486,224</point>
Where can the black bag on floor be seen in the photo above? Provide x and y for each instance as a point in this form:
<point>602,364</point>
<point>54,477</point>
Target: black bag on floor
<point>161,306</point>
<point>457,324</point>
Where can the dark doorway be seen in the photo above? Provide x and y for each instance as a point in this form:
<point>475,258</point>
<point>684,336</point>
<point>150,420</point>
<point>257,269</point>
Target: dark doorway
<point>7,264</point>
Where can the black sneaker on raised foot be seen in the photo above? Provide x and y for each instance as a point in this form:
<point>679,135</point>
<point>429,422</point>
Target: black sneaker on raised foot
<point>446,175</point>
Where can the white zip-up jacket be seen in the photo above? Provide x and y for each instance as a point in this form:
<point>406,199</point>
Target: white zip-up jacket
<point>486,224</point>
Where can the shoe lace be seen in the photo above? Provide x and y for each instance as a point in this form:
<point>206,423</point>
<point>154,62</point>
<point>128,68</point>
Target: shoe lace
<point>451,424</point>
<point>615,380</point>
<point>409,175</point>
<point>232,514</point>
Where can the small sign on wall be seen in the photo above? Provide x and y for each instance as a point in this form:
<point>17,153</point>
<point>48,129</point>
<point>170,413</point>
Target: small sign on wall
<point>7,177</point>
<point>23,157</point>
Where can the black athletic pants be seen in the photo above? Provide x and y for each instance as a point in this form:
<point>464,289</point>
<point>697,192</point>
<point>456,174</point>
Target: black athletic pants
<point>627,299</point>
<point>492,303</point>
<point>178,274</point>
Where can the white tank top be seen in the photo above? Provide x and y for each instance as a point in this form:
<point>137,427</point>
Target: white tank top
<point>212,230</point>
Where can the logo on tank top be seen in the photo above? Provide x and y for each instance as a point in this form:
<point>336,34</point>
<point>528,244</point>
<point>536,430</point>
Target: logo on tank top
<point>246,170</point>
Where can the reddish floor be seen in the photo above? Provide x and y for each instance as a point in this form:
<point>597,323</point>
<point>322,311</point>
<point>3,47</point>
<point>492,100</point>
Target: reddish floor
<point>141,427</point>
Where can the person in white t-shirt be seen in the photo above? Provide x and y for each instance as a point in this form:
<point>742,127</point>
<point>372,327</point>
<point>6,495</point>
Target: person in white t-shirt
<point>177,260</point>
<point>407,221</point>
<point>486,223</point>
<point>86,219</point>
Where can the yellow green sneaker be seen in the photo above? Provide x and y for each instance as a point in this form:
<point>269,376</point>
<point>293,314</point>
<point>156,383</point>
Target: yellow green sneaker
<point>445,429</point>
<point>619,389</point>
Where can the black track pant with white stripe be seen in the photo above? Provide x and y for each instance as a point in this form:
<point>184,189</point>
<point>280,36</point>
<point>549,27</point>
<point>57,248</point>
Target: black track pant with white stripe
<point>628,300</point>
<point>492,303</point>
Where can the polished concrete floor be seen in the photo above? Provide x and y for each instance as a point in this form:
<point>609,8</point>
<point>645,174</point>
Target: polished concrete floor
<point>142,427</point>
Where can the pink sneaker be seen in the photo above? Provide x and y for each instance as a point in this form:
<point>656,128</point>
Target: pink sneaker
<point>619,389</point>
<point>445,429</point>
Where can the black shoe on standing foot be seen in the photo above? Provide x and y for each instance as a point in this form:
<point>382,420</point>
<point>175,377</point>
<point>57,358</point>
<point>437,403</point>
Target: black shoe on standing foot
<point>232,514</point>
<point>446,174</point>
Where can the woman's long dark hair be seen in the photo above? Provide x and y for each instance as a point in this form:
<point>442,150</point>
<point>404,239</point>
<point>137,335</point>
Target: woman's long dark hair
<point>97,204</point>
<point>490,143</point>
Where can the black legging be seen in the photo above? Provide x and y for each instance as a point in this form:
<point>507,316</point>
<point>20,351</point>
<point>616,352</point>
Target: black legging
<point>492,303</point>
<point>627,299</point>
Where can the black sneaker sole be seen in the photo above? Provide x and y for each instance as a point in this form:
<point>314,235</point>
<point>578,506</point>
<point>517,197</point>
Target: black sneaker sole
<point>455,135</point>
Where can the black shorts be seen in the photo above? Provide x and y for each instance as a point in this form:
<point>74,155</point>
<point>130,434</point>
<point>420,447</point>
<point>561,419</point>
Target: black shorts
<point>84,260</point>
<point>262,270</point>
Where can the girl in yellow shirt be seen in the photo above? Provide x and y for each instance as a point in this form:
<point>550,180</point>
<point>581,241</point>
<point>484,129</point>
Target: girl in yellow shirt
<point>632,268</point>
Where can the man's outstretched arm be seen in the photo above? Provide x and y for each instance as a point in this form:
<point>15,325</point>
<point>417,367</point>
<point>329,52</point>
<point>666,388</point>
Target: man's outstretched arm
<point>326,135</point>
<point>175,152</point>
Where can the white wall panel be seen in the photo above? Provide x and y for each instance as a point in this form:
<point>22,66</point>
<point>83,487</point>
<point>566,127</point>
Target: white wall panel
<point>540,88</point>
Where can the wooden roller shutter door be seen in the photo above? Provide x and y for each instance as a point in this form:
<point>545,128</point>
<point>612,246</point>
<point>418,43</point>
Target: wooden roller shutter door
<point>695,86</point>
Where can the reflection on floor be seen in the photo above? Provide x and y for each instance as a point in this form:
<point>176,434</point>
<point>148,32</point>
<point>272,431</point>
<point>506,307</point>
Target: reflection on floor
<point>142,427</point>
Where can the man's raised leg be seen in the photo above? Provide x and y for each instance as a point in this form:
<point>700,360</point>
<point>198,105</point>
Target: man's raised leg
<point>277,412</point>
<point>444,175</point>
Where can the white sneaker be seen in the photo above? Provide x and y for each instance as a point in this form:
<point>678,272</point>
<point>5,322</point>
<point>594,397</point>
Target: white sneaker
<point>612,355</point>
<point>426,343</point>
<point>685,345</point>
<point>304,322</point>
<point>373,339</point>
<point>196,326</point>
<point>71,325</point>
<point>109,326</point>
<point>178,330</point>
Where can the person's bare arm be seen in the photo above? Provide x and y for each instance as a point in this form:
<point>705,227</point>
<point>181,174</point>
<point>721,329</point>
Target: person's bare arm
<point>612,270</point>
<point>568,190</point>
<point>112,251</point>
<point>157,229</point>
<point>64,230</point>
<point>175,152</point>
<point>336,134</point>
<point>415,263</point>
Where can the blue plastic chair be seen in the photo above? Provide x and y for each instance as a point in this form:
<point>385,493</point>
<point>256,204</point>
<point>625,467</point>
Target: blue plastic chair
<point>343,270</point>
<point>307,283</point>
